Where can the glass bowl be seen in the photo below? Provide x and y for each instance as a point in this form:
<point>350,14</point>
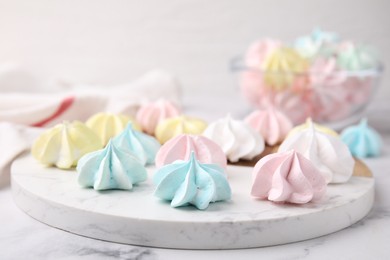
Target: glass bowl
<point>332,98</point>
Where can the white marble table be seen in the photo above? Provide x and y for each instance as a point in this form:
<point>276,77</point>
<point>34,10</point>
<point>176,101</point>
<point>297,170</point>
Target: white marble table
<point>22,237</point>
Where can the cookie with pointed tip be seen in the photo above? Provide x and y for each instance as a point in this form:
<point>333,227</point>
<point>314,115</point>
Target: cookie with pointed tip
<point>236,138</point>
<point>191,183</point>
<point>287,177</point>
<point>142,146</point>
<point>181,147</point>
<point>107,125</point>
<point>175,126</point>
<point>308,124</point>
<point>328,153</point>
<point>150,114</point>
<point>271,123</point>
<point>362,140</point>
<point>110,168</point>
<point>64,144</point>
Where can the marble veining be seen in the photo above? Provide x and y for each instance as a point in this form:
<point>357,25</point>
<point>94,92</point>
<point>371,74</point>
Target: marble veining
<point>136,217</point>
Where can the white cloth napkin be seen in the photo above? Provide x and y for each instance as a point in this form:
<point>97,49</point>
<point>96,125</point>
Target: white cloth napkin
<point>24,114</point>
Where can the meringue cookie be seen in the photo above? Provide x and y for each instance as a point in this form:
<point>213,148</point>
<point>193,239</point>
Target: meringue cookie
<point>182,146</point>
<point>271,123</point>
<point>64,144</point>
<point>175,126</point>
<point>191,182</point>
<point>258,52</point>
<point>308,124</point>
<point>110,168</point>
<point>142,146</point>
<point>287,177</point>
<point>281,67</point>
<point>328,153</point>
<point>107,125</point>
<point>362,140</point>
<point>315,43</point>
<point>237,139</point>
<point>150,114</point>
<point>355,58</point>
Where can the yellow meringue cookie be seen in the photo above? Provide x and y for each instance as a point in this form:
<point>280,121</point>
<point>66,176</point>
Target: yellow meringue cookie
<point>175,126</point>
<point>107,125</point>
<point>309,122</point>
<point>64,144</point>
<point>281,67</point>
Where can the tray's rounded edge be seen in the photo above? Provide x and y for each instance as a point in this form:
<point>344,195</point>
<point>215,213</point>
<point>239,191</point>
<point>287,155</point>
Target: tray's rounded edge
<point>226,235</point>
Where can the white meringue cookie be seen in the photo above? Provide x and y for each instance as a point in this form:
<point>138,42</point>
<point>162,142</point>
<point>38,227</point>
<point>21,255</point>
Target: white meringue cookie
<point>328,153</point>
<point>236,138</point>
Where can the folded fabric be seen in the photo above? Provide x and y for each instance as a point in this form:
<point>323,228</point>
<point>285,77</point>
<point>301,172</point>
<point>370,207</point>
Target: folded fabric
<point>24,112</point>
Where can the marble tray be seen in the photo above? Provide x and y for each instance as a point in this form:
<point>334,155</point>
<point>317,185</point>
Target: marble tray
<point>53,196</point>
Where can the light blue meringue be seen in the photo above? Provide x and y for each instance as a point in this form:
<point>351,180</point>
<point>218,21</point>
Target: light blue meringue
<point>191,182</point>
<point>110,168</point>
<point>318,42</point>
<point>362,140</point>
<point>143,146</point>
<point>355,58</point>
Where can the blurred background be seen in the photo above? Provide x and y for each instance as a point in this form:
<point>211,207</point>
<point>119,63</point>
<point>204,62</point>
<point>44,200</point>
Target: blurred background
<point>112,42</point>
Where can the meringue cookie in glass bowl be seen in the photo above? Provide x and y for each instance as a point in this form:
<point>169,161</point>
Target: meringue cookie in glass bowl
<point>182,146</point>
<point>319,76</point>
<point>175,126</point>
<point>64,144</point>
<point>287,177</point>
<point>327,152</point>
<point>271,123</point>
<point>110,168</point>
<point>107,125</point>
<point>362,140</point>
<point>236,138</point>
<point>150,114</point>
<point>259,51</point>
<point>191,183</point>
<point>141,145</point>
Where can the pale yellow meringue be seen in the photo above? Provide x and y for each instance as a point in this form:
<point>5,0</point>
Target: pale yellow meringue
<point>175,126</point>
<point>318,127</point>
<point>64,144</point>
<point>282,66</point>
<point>107,125</point>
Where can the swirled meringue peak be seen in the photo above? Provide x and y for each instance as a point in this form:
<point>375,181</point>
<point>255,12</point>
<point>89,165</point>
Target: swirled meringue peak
<point>143,146</point>
<point>110,168</point>
<point>236,138</point>
<point>271,123</point>
<point>64,144</point>
<point>281,67</point>
<point>258,52</point>
<point>107,125</point>
<point>357,57</point>
<point>308,124</point>
<point>317,42</point>
<point>362,140</point>
<point>328,153</point>
<point>150,114</point>
<point>191,182</point>
<point>175,126</point>
<point>181,147</point>
<point>287,177</point>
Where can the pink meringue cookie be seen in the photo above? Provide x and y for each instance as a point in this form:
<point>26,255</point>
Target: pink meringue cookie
<point>271,123</point>
<point>259,51</point>
<point>253,87</point>
<point>181,146</point>
<point>287,177</point>
<point>150,114</point>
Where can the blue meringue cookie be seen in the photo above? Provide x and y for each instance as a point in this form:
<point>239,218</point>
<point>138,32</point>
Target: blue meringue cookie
<point>143,146</point>
<point>318,42</point>
<point>362,140</point>
<point>110,168</point>
<point>191,182</point>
